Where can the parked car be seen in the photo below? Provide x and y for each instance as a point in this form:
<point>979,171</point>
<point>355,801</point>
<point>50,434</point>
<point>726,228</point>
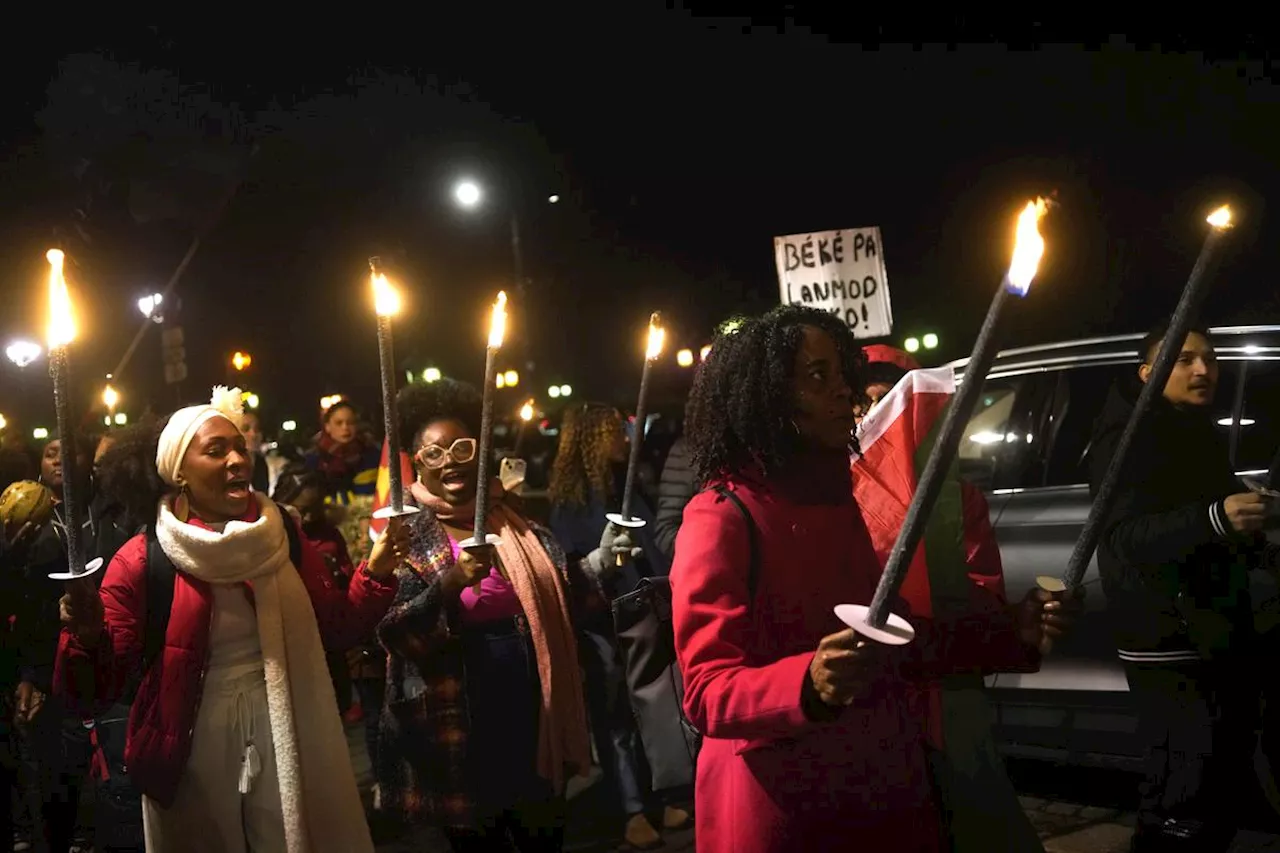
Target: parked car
<point>1026,446</point>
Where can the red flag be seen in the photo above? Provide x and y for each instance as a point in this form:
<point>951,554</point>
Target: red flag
<point>382,491</point>
<point>961,575</point>
<point>892,440</point>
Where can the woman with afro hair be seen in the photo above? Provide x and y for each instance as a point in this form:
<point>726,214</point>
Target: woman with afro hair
<point>484,720</point>
<point>810,741</point>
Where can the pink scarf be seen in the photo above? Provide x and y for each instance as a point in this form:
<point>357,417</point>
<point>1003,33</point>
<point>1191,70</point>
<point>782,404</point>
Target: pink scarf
<point>562,725</point>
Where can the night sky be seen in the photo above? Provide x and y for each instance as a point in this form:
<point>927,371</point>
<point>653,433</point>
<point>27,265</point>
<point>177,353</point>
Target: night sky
<point>679,146</point>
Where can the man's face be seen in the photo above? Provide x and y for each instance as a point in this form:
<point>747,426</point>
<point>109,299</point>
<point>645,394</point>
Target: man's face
<point>1195,373</point>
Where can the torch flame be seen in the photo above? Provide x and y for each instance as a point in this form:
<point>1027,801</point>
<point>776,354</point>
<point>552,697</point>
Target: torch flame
<point>62,323</point>
<point>1028,247</point>
<point>386,299</point>
<point>498,323</point>
<point>1220,218</point>
<point>657,335</point>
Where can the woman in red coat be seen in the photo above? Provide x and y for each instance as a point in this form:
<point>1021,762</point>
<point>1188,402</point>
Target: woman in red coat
<point>809,744</point>
<point>234,737</point>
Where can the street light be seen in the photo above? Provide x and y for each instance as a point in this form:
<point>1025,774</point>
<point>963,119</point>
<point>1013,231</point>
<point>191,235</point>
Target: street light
<point>251,400</point>
<point>150,306</point>
<point>3,423</point>
<point>40,433</point>
<point>467,193</point>
<point>911,344</point>
<point>526,412</point>
<point>23,353</point>
<point>289,426</point>
<point>553,392</point>
<point>565,390</point>
<point>930,341</point>
<point>706,351</point>
<point>684,358</point>
<point>512,378</point>
<point>110,398</point>
<point>431,374</point>
<point>121,419</point>
<point>241,360</point>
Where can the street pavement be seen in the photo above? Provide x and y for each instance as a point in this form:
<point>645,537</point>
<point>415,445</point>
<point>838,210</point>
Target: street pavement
<point>1083,810</point>
<point>592,827</point>
<point>1074,811</point>
<point>1067,827</point>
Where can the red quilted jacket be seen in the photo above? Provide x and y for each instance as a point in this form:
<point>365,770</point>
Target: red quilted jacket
<point>163,715</point>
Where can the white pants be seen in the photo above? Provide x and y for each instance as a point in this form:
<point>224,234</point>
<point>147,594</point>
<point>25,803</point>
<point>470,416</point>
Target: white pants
<point>209,814</point>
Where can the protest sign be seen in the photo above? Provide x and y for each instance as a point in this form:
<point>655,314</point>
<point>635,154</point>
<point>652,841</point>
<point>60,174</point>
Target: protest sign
<point>841,272</point>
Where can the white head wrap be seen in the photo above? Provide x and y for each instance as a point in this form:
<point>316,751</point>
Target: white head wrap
<point>185,423</point>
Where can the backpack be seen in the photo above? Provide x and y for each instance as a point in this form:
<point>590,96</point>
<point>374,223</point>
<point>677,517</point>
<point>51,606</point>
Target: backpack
<point>646,643</point>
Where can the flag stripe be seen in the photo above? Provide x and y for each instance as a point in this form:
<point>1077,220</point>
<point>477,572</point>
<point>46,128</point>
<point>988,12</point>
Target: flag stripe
<point>938,380</point>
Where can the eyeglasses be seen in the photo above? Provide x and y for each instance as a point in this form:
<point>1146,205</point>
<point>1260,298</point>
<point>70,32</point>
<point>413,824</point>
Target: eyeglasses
<point>434,456</point>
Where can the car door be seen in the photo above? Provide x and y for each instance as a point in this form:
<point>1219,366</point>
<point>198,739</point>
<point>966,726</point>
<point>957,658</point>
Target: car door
<point>1041,524</point>
<point>1076,707</point>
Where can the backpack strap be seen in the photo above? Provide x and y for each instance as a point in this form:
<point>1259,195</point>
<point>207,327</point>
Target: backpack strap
<point>159,594</point>
<point>753,536</point>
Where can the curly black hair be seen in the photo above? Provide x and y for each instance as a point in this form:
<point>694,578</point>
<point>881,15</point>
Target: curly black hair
<point>740,409</point>
<point>127,475</point>
<point>423,402</point>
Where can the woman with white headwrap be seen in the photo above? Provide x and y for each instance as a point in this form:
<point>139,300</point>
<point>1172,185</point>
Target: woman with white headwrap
<point>234,737</point>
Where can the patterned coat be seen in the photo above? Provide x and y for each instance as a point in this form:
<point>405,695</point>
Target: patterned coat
<point>425,722</point>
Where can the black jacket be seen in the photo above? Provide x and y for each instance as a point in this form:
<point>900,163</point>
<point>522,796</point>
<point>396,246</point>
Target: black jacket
<point>1174,573</point>
<point>675,489</point>
<point>36,625</point>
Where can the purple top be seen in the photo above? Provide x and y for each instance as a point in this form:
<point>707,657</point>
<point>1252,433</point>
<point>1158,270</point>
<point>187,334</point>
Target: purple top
<point>496,599</point>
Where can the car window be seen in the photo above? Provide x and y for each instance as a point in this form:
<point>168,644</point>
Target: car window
<point>998,449</point>
<point>1259,435</point>
<point>1081,393</point>
<point>1083,390</point>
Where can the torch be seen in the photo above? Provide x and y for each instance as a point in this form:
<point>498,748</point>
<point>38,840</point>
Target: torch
<point>1193,294</point>
<point>876,622</point>
<point>62,331</point>
<point>497,328</point>
<point>386,303</point>
<point>624,518</point>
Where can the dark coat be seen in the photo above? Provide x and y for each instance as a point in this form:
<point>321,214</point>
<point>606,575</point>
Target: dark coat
<point>424,726</point>
<point>1174,572</point>
<point>675,489</point>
